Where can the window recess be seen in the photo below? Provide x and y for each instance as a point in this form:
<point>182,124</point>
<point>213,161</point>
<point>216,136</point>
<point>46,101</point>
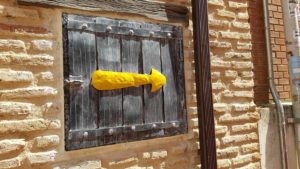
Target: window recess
<point>96,118</point>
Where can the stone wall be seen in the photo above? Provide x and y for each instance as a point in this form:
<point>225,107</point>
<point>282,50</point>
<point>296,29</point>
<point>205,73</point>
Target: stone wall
<point>235,111</point>
<point>31,95</point>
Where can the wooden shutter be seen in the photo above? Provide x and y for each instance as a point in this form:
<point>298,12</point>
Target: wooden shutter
<point>95,118</point>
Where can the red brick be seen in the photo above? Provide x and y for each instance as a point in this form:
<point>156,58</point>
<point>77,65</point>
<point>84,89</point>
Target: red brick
<point>283,81</point>
<point>280,41</point>
<point>278,15</point>
<point>282,68</point>
<point>281,54</point>
<point>278,28</point>
<point>284,95</point>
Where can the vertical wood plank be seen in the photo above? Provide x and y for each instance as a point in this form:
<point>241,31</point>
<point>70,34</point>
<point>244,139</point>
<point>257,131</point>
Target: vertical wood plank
<point>110,102</point>
<point>82,55</point>
<point>84,99</point>
<point>169,69</point>
<point>132,97</point>
<point>178,60</point>
<point>174,89</point>
<point>153,102</point>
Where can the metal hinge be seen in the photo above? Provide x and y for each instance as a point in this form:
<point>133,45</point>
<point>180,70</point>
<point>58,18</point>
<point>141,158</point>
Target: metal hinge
<point>74,81</point>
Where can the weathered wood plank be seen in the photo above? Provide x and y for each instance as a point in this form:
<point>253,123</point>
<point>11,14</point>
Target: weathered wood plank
<point>170,70</point>
<point>152,10</point>
<point>174,89</point>
<point>153,102</point>
<point>176,46</point>
<point>153,107</point>
<point>84,98</point>
<point>82,55</point>
<point>132,97</point>
<point>110,102</point>
<point>123,27</point>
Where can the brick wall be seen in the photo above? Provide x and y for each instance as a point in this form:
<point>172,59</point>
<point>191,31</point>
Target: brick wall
<point>280,63</point>
<point>31,101</point>
<point>261,88</point>
<point>280,60</point>
<point>232,78</point>
<point>31,95</point>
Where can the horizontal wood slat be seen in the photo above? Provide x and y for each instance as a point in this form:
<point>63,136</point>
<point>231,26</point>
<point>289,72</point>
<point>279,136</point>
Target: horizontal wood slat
<point>152,10</point>
<point>114,28</point>
<point>80,134</point>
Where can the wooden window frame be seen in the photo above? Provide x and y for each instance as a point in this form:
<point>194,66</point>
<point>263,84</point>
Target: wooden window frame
<point>161,114</point>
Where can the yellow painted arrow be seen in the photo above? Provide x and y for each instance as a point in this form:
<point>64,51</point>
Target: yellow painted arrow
<point>108,80</point>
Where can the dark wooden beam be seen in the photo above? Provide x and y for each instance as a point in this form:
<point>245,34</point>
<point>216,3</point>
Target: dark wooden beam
<point>152,10</point>
<point>203,86</point>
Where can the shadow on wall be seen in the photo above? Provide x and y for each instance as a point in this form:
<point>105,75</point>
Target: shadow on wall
<point>270,142</point>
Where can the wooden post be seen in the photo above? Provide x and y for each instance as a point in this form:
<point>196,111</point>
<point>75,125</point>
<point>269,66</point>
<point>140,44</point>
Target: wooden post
<point>203,84</point>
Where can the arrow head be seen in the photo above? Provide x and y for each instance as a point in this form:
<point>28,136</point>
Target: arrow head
<point>157,80</point>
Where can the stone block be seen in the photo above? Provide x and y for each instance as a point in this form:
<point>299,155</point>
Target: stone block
<point>11,163</point>
<point>13,126</point>
<point>12,45</point>
<point>11,145</point>
<point>243,15</point>
<point>221,107</point>
<point>45,76</point>
<point>46,141</point>
<point>19,108</point>
<point>219,44</point>
<point>243,106</point>
<point>216,2</point>
<point>244,127</point>
<point>244,46</point>
<point>218,85</point>
<point>240,83</point>
<point>217,23</point>
<point>25,59</point>
<point>250,148</point>
<point>231,73</point>
<point>230,35</point>
<point>41,157</point>
<point>42,45</point>
<point>242,65</point>
<point>241,25</point>
<point>29,92</point>
<point>242,159</point>
<point>227,152</point>
<point>240,138</point>
<point>218,63</point>
<point>221,129</point>
<point>247,117</point>
<point>226,14</point>
<point>237,5</point>
<point>8,75</point>
<point>224,163</point>
<point>238,55</point>
<point>247,74</point>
